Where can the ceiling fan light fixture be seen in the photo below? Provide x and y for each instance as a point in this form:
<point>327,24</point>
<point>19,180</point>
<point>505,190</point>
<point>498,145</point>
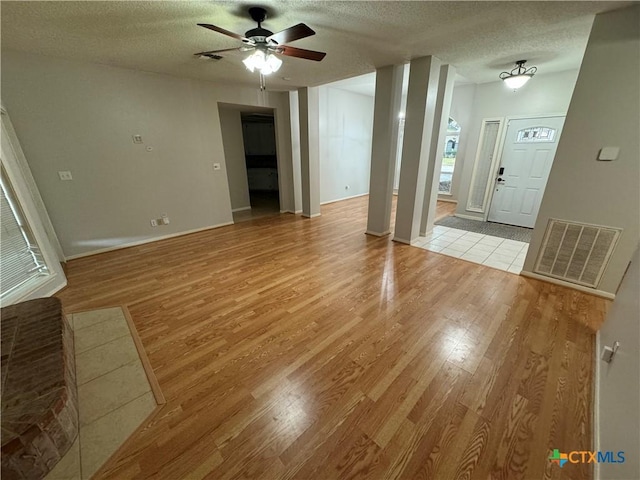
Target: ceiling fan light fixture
<point>264,63</point>
<point>255,61</point>
<point>264,45</point>
<point>517,77</point>
<point>271,65</point>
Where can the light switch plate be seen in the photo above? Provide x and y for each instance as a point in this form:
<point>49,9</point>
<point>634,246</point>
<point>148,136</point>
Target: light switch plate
<point>65,175</point>
<point>608,154</point>
<point>137,138</point>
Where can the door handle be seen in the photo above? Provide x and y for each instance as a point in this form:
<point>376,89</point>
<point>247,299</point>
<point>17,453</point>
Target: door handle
<point>500,180</point>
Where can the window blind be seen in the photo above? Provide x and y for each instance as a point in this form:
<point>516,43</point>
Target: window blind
<point>20,258</point>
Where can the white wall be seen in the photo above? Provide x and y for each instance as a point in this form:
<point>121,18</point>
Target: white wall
<point>232,139</point>
<point>618,388</point>
<point>346,125</point>
<point>80,117</point>
<point>604,111</point>
<point>544,94</point>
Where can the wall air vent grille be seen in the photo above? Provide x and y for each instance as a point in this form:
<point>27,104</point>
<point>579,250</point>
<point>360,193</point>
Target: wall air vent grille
<point>576,252</point>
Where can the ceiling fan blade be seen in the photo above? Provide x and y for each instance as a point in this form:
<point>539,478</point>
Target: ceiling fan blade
<point>224,32</point>
<point>213,52</point>
<point>300,53</point>
<point>291,34</point>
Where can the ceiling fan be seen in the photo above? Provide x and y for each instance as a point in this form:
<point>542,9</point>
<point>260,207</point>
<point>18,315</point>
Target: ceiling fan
<point>265,44</point>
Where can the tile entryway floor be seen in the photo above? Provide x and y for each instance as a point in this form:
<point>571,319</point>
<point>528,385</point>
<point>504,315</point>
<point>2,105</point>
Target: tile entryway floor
<point>495,252</point>
<point>114,394</point>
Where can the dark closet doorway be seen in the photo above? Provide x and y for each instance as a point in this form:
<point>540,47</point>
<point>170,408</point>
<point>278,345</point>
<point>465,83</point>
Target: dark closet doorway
<point>259,138</point>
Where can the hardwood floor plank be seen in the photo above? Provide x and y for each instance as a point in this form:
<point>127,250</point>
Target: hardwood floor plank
<point>303,348</point>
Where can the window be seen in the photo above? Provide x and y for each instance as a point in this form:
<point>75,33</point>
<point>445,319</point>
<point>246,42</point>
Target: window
<point>536,134</point>
<point>21,262</point>
<point>484,165</point>
<point>449,157</point>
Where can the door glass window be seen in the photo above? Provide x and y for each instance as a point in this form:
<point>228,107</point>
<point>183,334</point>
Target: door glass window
<point>536,134</point>
<point>449,157</point>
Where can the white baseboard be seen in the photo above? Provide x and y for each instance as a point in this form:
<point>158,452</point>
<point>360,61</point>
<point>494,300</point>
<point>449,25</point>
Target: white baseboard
<point>287,211</point>
<point>298,212</point>
<point>345,198</point>
<point>314,215</point>
<point>448,200</point>
<point>241,209</point>
<point>146,240</point>
<point>469,217</point>
<point>401,240</point>
<point>556,281</point>
<point>378,234</point>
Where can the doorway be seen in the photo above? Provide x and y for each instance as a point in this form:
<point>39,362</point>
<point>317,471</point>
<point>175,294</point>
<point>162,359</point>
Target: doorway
<point>527,156</point>
<point>249,142</point>
<point>259,139</point>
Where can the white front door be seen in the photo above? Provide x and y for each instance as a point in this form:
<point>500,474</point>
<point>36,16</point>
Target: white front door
<point>529,147</point>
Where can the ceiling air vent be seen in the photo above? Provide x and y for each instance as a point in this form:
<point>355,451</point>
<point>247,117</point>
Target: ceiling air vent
<point>576,252</point>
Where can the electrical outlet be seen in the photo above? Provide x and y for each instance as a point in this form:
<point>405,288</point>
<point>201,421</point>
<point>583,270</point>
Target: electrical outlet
<point>347,187</point>
<point>216,166</point>
<point>164,219</point>
<point>154,222</point>
<point>137,138</point>
<point>66,175</point>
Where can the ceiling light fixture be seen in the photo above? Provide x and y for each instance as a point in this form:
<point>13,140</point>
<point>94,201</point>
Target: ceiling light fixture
<point>520,75</point>
<point>265,63</point>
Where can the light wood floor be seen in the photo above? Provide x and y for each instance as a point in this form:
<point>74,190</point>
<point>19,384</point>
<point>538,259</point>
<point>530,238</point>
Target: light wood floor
<point>297,348</point>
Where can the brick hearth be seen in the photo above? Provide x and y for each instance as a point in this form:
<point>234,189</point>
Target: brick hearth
<point>39,397</point>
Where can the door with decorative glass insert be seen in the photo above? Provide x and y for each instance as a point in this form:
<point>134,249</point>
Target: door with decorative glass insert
<point>528,152</point>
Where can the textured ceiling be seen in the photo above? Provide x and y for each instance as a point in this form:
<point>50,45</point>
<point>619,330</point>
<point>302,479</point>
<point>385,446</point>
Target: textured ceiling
<point>366,84</point>
<point>480,38</point>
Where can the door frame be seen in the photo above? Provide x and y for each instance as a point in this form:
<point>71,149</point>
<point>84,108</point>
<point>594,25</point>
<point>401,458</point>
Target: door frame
<point>502,137</point>
<point>492,168</point>
<point>279,119</point>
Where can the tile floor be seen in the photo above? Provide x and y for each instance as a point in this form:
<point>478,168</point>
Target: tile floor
<point>114,395</point>
<point>496,252</point>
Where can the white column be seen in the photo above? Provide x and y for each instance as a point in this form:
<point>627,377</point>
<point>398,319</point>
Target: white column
<point>443,107</point>
<point>384,148</point>
<point>308,105</point>
<point>418,130</point>
<point>295,151</point>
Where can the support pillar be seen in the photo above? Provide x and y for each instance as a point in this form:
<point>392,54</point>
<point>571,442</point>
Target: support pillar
<point>384,148</point>
<point>308,105</point>
<point>418,131</point>
<point>434,165</point>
